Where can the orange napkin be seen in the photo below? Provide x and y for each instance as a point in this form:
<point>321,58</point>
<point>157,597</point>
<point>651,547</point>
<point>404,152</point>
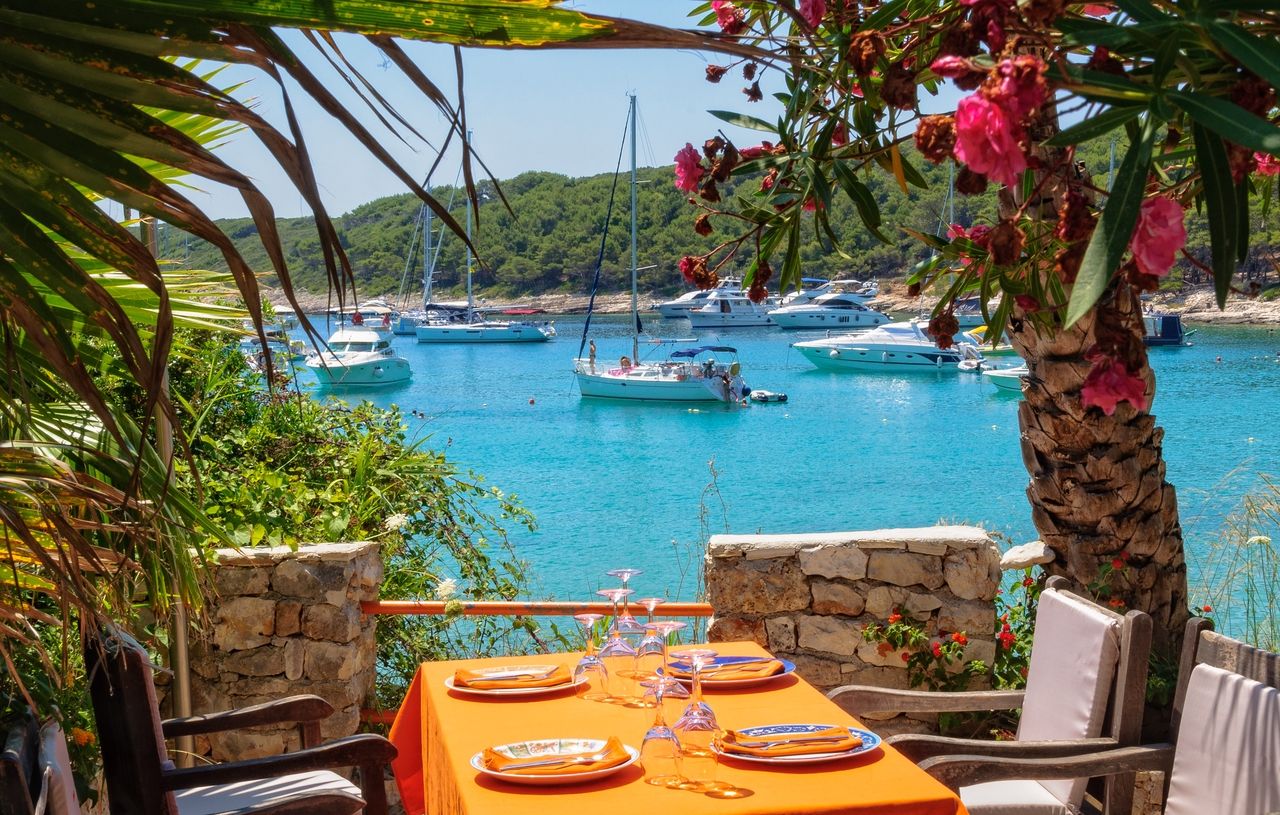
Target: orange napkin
<point>480,681</point>
<point>613,752</point>
<point>729,743</point>
<point>747,670</point>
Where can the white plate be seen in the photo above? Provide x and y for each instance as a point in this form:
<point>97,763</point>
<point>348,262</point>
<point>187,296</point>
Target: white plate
<point>550,748</point>
<point>870,741</point>
<point>711,683</point>
<point>511,670</point>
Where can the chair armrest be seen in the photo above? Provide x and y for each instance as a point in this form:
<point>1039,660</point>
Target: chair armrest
<point>919,747</point>
<point>361,750</point>
<point>302,709</point>
<point>963,771</point>
<point>866,699</point>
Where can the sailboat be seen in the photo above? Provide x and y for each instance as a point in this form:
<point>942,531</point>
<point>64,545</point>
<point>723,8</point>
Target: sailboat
<point>709,373</point>
<point>448,325</point>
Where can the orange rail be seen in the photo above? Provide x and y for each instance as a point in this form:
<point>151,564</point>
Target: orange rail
<point>484,608</point>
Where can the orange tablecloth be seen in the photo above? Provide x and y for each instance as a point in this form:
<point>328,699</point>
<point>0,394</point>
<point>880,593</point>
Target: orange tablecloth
<point>437,732</point>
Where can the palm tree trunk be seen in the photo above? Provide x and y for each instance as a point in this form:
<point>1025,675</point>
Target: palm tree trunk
<point>1098,491</point>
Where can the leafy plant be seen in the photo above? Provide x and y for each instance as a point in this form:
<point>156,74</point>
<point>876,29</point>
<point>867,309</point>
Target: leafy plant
<point>933,663</point>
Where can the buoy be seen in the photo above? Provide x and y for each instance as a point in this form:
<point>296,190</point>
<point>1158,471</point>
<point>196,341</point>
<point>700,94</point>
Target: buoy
<point>531,401</point>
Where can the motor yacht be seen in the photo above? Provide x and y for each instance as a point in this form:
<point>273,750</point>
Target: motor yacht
<point>832,310</point>
<point>729,310</point>
<point>816,287</point>
<point>359,357</point>
<point>689,301</point>
<point>893,346</point>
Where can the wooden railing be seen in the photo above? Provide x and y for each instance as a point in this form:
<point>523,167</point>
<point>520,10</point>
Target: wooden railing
<point>484,608</point>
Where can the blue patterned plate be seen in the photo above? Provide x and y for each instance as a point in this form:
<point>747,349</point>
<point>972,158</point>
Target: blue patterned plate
<point>710,682</point>
<point>870,741</point>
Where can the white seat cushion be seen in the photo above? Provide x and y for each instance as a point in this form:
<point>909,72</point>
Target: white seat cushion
<point>1011,798</point>
<point>55,763</point>
<point>1227,759</point>
<point>1073,666</point>
<point>245,796</point>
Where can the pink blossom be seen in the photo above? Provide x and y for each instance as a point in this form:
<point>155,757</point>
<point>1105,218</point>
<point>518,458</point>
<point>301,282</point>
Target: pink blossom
<point>689,168</point>
<point>1018,85</point>
<point>1109,383</point>
<point>1159,235</point>
<point>813,11</point>
<point>1267,164</point>
<point>748,153</point>
<point>728,16</point>
<point>951,67</point>
<point>987,140</point>
<point>1096,9</point>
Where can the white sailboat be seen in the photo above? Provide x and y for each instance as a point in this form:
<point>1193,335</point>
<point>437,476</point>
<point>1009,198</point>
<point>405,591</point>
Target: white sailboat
<point>703,374</point>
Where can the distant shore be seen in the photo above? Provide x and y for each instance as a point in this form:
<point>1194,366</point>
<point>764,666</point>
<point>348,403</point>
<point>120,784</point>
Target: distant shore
<point>1195,306</point>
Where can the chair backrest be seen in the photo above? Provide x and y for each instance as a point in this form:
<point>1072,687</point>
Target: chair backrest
<point>1084,659</point>
<point>1227,740</point>
<point>55,766</point>
<point>124,706</point>
<point>19,768</point>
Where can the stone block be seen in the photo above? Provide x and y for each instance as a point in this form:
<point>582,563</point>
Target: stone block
<point>235,581</point>
<point>834,635</point>
<point>837,560</point>
<point>343,722</point>
<point>903,724</point>
<point>265,660</point>
<point>329,660</point>
<point>338,694</point>
<point>1026,556</point>
<point>238,745</point>
<point>781,634</point>
<point>756,587</point>
<point>769,549</point>
<point>735,629</point>
<point>906,569</point>
<point>335,623</point>
<point>820,672</point>
<point>882,654</point>
<point>288,618</point>
<point>859,673</point>
<point>294,653</point>
<point>984,650</point>
<point>973,573</point>
<point>241,623</point>
<point>937,548</point>
<point>977,618</point>
<point>836,598</point>
<point>310,581</point>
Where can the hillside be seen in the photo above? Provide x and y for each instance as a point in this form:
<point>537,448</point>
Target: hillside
<point>551,243</point>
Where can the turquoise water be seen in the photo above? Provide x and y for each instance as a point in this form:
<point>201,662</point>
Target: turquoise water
<point>615,484</point>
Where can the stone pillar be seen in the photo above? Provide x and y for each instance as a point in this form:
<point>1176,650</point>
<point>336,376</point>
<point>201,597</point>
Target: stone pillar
<point>285,622</point>
<point>807,597</point>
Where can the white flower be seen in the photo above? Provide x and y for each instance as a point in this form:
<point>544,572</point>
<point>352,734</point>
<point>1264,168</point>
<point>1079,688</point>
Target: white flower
<point>1258,540</point>
<point>395,522</point>
<point>446,589</point>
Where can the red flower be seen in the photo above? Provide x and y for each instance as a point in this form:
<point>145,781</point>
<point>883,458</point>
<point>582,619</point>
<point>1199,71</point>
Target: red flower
<point>1267,164</point>
<point>988,140</point>
<point>728,17</point>
<point>840,136</point>
<point>1159,235</point>
<point>770,178</point>
<point>1116,602</point>
<point>1096,9</point>
<point>1017,85</point>
<point>937,650</point>
<point>1206,609</point>
<point>959,638</point>
<point>686,268</point>
<point>1026,302</point>
<point>689,169</point>
<point>906,657</point>
<point>895,617</point>
<point>756,152</point>
<point>1029,581</point>
<point>813,11</point>
<point>1109,383</point>
<point>1117,563</point>
<point>1007,639</point>
<point>1005,628</point>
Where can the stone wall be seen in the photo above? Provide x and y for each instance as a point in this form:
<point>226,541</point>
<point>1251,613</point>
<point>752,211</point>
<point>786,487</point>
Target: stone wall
<point>286,622</point>
<point>806,597</point>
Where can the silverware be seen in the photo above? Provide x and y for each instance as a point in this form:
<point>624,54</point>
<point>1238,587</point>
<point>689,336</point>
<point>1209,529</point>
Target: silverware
<point>769,744</point>
<point>520,674</point>
<point>565,760</point>
<point>730,666</point>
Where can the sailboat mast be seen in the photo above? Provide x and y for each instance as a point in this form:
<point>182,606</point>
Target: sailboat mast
<point>635,303</point>
<point>470,301</point>
<point>426,254</point>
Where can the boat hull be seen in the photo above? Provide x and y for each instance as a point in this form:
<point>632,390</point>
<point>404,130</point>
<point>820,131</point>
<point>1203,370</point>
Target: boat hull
<point>390,371</point>
<point>719,319</point>
<point>830,319</point>
<point>872,359</point>
<point>675,310</point>
<point>479,333</point>
<point>605,385</point>
<point>1008,380</point>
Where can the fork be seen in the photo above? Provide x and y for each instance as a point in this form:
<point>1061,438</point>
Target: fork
<point>566,760</point>
<point>522,675</point>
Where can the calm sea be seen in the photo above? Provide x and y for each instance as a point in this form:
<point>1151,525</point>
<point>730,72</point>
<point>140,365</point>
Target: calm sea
<point>616,484</point>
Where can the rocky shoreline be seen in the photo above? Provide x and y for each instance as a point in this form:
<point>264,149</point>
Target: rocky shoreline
<point>1195,306</point>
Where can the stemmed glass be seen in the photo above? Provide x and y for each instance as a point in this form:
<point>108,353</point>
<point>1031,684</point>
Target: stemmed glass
<point>698,658</point>
<point>652,653</point>
<point>631,630</point>
<point>697,729</point>
<point>591,665</point>
<point>660,750</point>
<point>619,656</point>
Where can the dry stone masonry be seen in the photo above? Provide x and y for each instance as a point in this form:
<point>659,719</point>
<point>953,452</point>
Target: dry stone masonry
<point>807,597</point>
<point>286,622</point>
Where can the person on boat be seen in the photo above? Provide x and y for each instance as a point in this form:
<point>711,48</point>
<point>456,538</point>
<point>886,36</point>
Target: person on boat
<point>386,320</point>
<point>591,354</point>
<point>625,363</point>
<point>357,318</point>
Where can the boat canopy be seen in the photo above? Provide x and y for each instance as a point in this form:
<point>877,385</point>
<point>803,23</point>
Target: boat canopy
<point>693,352</point>
<point>812,281</point>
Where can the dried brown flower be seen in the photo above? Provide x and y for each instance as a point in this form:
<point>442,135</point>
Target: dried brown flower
<point>970,183</point>
<point>715,73</point>
<point>959,40</point>
<point>936,137</point>
<point>721,169</point>
<point>865,49</point>
<point>709,191</point>
<point>702,224</point>
<point>749,71</point>
<point>712,146</point>
<point>1005,242</point>
<point>899,88</point>
<point>753,92</point>
<point>943,329</point>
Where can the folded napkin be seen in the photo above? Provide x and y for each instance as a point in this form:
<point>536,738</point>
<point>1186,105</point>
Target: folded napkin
<point>612,754</point>
<point>729,743</point>
<point>481,680</point>
<point>731,670</point>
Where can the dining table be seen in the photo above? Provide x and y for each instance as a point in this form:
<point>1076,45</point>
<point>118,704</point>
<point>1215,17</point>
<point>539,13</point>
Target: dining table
<point>438,730</point>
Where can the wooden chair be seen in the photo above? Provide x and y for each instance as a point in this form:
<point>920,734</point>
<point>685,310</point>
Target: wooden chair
<point>35,771</point>
<point>1225,755</point>
<point>141,780</point>
<point>1087,677</point>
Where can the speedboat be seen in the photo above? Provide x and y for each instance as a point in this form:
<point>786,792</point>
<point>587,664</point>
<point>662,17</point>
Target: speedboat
<point>359,356</point>
<point>729,310</point>
<point>894,346</point>
<point>1007,380</point>
<point>689,301</point>
<point>1164,330</point>
<point>689,375</point>
<point>831,310</point>
<point>978,337</point>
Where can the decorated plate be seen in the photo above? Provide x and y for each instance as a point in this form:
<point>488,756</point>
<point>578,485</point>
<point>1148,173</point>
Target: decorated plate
<point>710,682</point>
<point>870,741</point>
<point>512,671</point>
<point>549,749</point>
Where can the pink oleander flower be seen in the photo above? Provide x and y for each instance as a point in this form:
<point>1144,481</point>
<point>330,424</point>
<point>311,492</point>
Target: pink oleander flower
<point>1096,9</point>
<point>977,234</point>
<point>689,169</point>
<point>728,17</point>
<point>813,11</point>
<point>1159,236</point>
<point>1267,164</point>
<point>951,67</point>
<point>1109,383</point>
<point>1017,85</point>
<point>987,140</point>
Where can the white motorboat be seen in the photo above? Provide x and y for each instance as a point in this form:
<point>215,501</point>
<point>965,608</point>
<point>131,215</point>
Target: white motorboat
<point>855,289</point>
<point>1007,380</point>
<point>894,346</point>
<point>689,375</point>
<point>729,310</point>
<point>689,301</point>
<point>832,310</point>
<point>359,357</point>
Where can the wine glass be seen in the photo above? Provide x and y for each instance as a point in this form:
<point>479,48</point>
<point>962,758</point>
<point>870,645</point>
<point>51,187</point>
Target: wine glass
<point>697,730</point>
<point>660,750</point>
<point>674,698</point>
<point>591,666</point>
<point>652,653</point>
<point>649,604</point>
<point>619,656</point>
<point>625,621</point>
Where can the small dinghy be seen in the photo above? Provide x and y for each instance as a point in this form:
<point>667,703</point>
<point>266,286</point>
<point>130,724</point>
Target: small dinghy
<point>767,396</point>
